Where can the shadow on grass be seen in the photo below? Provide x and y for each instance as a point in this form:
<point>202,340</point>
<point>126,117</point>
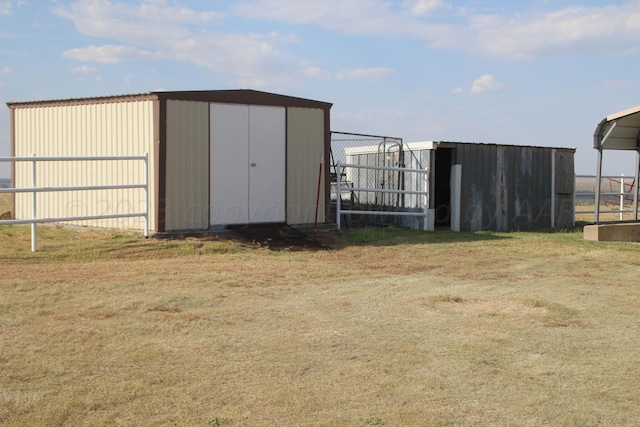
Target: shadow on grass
<point>391,237</point>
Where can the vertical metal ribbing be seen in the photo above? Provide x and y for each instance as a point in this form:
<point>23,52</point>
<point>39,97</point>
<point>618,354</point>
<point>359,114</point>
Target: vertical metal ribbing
<point>34,243</point>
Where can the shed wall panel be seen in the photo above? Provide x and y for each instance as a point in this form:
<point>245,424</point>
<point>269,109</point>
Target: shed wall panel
<point>187,173</point>
<point>564,189</point>
<point>505,187</point>
<point>305,149</point>
<point>106,129</point>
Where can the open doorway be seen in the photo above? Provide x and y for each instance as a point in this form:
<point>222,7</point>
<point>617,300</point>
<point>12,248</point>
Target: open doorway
<point>444,159</point>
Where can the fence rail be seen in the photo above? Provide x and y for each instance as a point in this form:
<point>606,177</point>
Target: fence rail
<point>34,190</point>
<point>621,199</point>
<point>343,186</point>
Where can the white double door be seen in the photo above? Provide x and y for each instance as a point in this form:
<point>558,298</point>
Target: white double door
<point>247,161</point>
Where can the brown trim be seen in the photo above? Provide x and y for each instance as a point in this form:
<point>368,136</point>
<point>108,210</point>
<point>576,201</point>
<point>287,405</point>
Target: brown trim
<point>241,96</point>
<point>286,165</point>
<point>327,162</point>
<point>160,142</point>
<point>83,101</point>
<point>209,166</point>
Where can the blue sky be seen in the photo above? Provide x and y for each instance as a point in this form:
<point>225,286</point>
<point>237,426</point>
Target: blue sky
<point>540,72</point>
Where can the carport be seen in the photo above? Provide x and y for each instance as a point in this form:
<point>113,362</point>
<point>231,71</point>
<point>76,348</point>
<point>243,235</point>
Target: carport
<point>618,131</point>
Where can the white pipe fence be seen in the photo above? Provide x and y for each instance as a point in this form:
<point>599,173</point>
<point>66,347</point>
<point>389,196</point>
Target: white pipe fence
<point>623,197</point>
<point>34,190</point>
<point>340,188</point>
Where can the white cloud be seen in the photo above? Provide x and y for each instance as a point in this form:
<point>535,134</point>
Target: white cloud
<point>164,30</point>
<point>127,78</point>
<point>83,69</point>
<point>426,7</point>
<point>365,74</point>
<point>5,8</point>
<point>314,72</point>
<point>570,31</point>
<point>7,70</point>
<point>486,83</point>
<point>108,54</point>
<point>7,5</point>
<point>458,90</point>
<point>158,31</point>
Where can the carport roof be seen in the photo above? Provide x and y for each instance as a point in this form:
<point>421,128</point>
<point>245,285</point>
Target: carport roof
<point>619,131</point>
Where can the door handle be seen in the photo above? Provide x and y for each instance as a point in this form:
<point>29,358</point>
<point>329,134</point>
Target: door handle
<point>253,164</point>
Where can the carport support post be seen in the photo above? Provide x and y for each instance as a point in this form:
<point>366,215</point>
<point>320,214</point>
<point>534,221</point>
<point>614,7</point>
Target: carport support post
<point>637,191</point>
<point>598,179</point>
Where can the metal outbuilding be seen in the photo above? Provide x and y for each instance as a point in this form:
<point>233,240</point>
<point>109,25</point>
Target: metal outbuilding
<point>618,131</point>
<point>477,186</point>
<point>216,158</point>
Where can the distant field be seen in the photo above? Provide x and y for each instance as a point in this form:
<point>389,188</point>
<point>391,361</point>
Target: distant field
<point>588,217</point>
<point>389,328</point>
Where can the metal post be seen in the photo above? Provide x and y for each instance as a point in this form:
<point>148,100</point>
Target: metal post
<point>596,212</point>
<point>621,197</point>
<point>34,216</point>
<point>635,194</point>
<point>339,193</point>
<point>146,194</point>
<point>425,187</point>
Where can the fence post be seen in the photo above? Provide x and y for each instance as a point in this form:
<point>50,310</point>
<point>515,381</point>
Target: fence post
<point>34,216</point>
<point>339,193</point>
<point>621,197</point>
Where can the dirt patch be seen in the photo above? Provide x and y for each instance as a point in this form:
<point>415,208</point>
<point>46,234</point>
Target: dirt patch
<point>282,238</point>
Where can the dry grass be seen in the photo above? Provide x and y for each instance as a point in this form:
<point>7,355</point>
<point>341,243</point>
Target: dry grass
<point>588,217</point>
<point>393,328</point>
<point>5,204</point>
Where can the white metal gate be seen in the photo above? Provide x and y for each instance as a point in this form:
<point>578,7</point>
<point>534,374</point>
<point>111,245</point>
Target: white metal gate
<point>34,190</point>
<point>420,198</point>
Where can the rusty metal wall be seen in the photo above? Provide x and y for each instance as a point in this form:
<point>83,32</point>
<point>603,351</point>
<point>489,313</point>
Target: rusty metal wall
<point>505,188</point>
<point>565,181</point>
<point>100,129</point>
<point>187,173</point>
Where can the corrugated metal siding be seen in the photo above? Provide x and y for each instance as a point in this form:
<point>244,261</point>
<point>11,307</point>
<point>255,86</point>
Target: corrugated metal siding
<point>564,189</point>
<point>305,148</point>
<point>187,173</point>
<point>106,129</point>
<point>505,187</point>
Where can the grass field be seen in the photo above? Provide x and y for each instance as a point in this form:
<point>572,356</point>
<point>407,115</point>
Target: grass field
<point>5,203</point>
<point>394,328</point>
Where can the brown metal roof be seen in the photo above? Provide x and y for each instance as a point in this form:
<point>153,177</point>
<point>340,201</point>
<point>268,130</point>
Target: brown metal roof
<point>240,96</point>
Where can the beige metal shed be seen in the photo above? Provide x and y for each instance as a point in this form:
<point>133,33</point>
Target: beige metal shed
<point>216,157</point>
